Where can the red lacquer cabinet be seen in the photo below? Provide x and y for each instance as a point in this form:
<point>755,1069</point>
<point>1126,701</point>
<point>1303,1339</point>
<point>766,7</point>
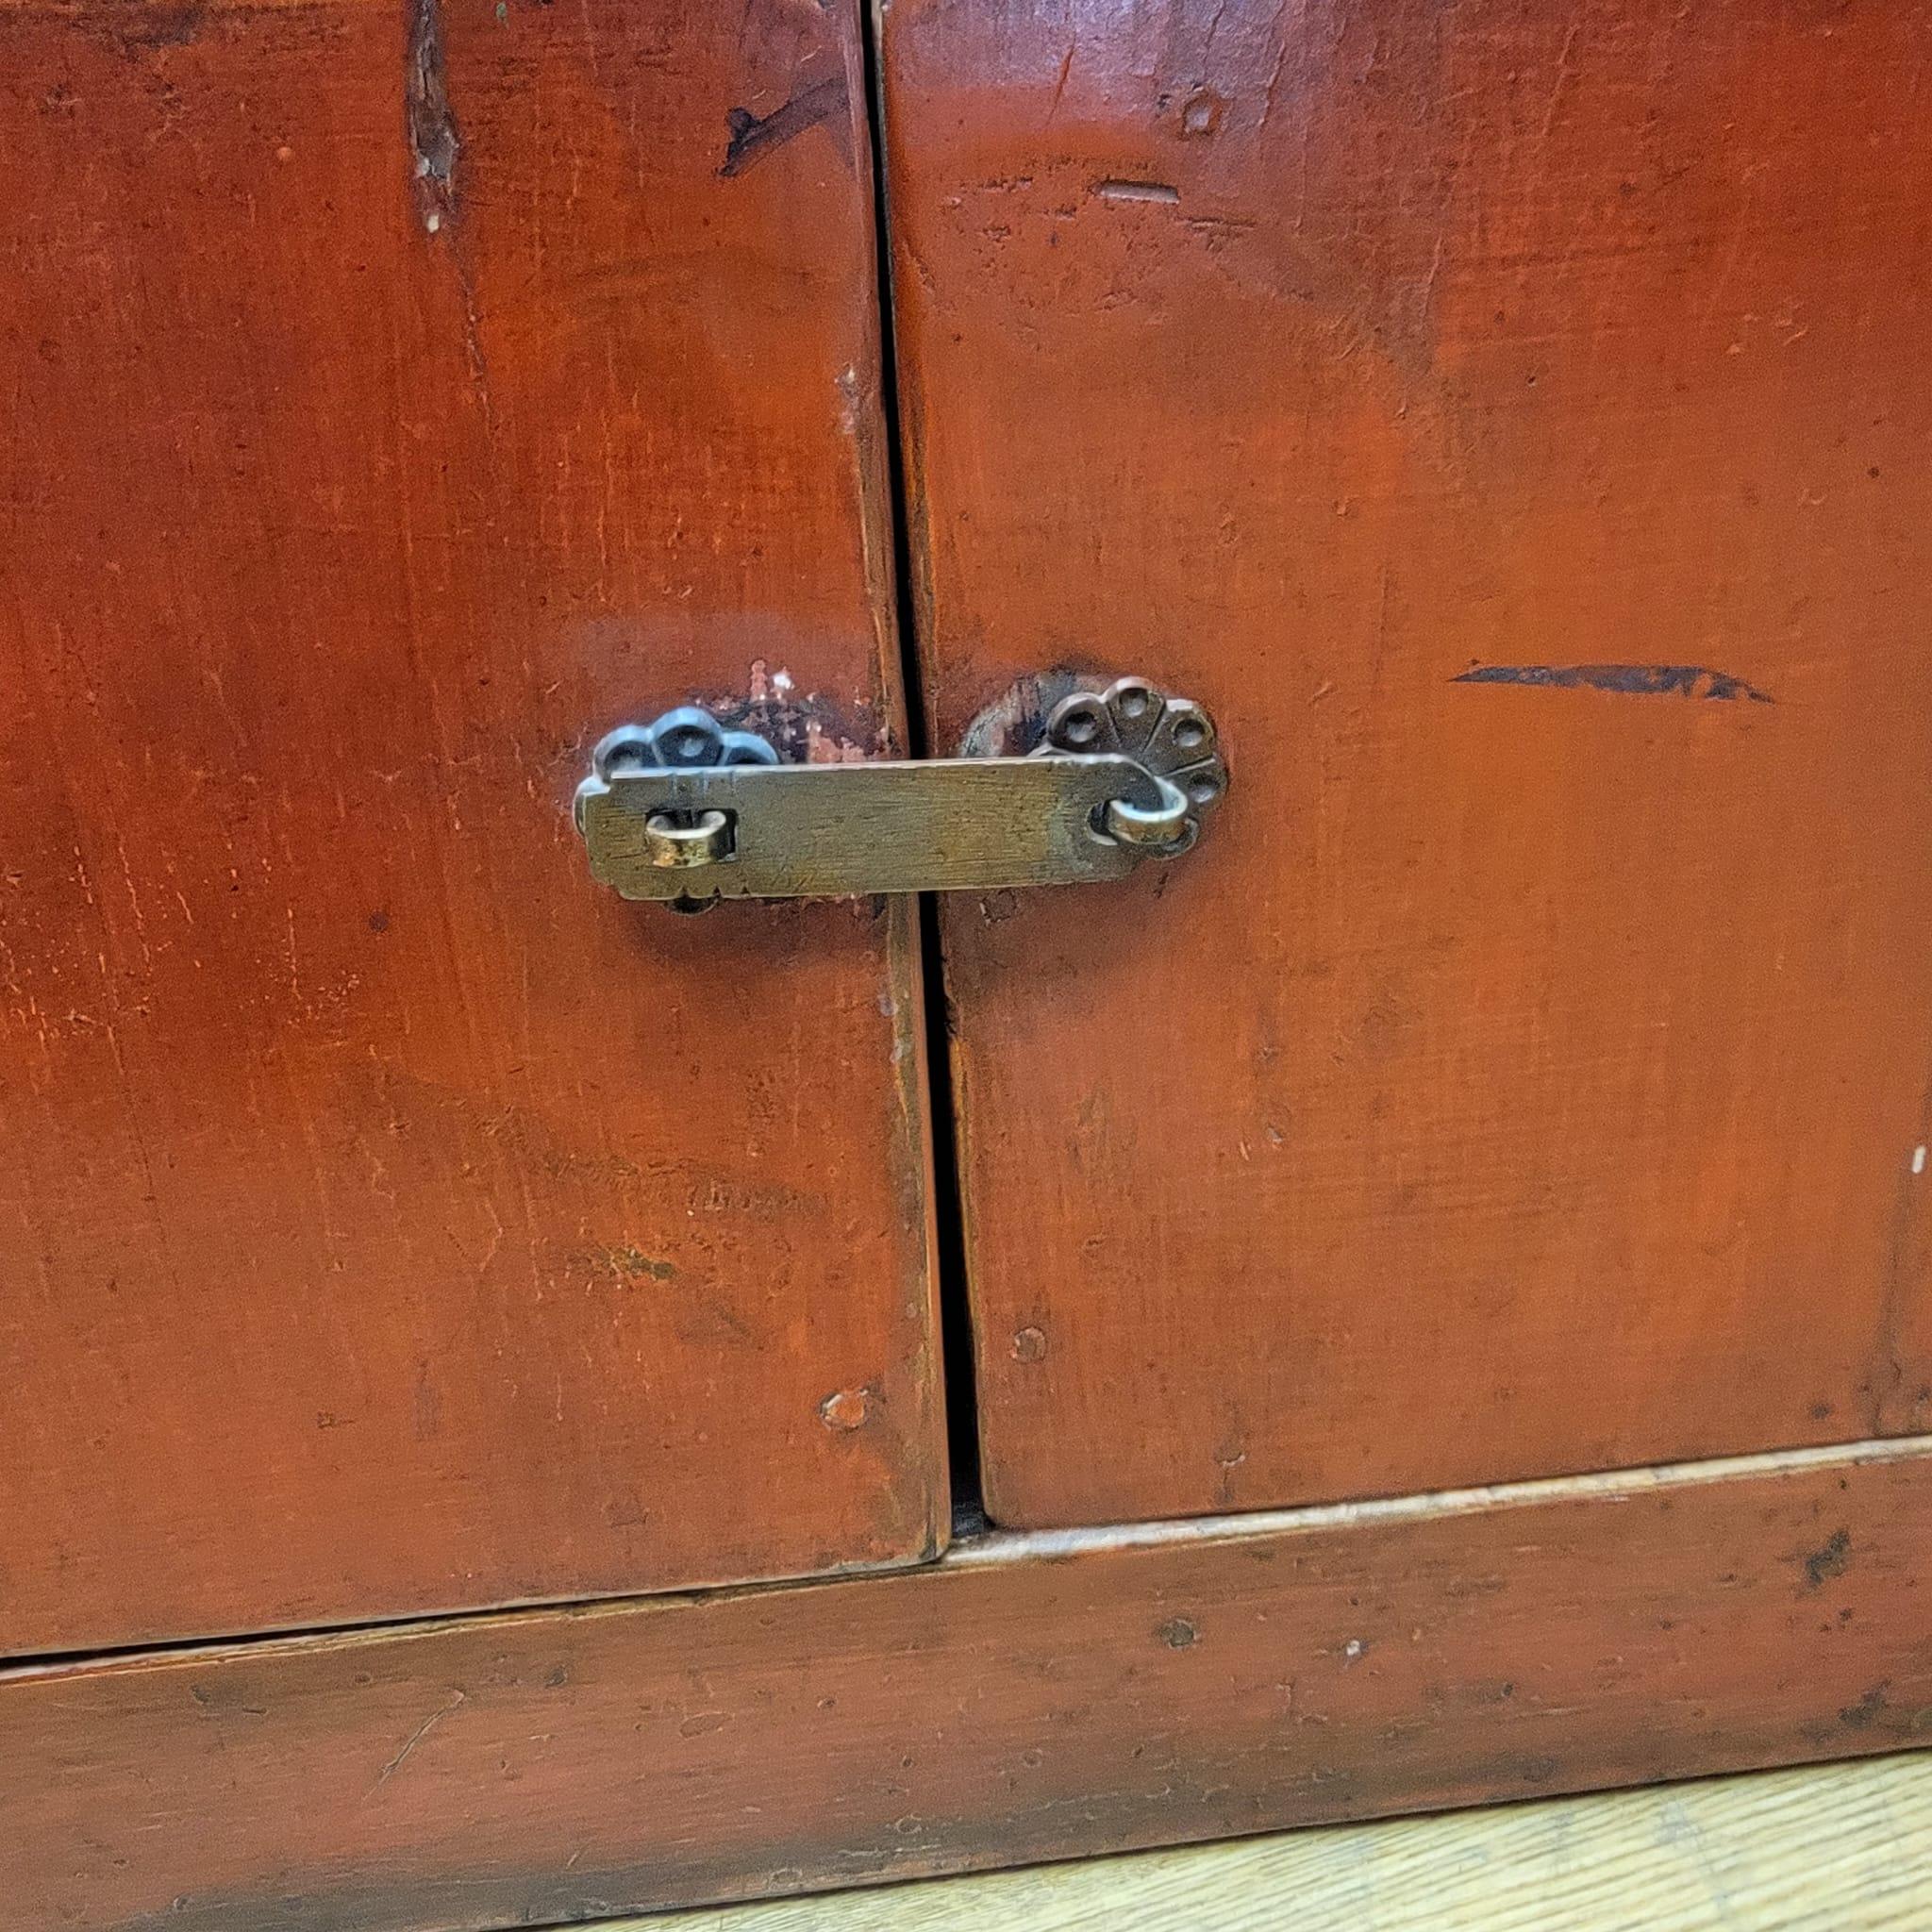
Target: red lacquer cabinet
<point>1403,1284</point>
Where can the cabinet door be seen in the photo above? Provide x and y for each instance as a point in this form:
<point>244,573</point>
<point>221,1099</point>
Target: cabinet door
<point>1511,422</point>
<point>392,1219</point>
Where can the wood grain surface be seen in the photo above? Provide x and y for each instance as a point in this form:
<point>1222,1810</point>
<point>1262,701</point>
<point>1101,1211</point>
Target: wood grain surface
<point>391,1220</point>
<point>1030,1696</point>
<point>1826,1848</point>
<point>1509,420</point>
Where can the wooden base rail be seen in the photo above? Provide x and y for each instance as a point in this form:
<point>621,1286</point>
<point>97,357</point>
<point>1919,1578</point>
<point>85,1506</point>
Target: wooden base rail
<point>1028,1698</point>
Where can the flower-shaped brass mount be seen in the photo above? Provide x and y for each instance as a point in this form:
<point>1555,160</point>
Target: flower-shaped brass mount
<point>1171,739</point>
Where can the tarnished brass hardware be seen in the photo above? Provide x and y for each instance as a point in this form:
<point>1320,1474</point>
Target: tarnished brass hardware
<point>1172,738</point>
<point>688,810</point>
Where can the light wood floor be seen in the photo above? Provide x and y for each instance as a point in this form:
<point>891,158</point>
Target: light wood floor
<point>1835,1848</point>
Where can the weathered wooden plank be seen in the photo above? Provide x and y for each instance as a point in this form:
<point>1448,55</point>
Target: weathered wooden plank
<point>1029,1697</point>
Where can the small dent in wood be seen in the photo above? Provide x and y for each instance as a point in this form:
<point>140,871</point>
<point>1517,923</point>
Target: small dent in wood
<point>1201,112</point>
<point>846,1408</point>
<point>1029,1345</point>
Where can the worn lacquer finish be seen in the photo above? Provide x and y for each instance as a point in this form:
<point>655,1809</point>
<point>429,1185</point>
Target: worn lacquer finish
<point>1029,1698</point>
<point>1511,421</point>
<point>391,1219</point>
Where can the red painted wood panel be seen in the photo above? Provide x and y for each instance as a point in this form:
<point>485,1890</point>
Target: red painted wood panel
<point>399,396</point>
<point>1510,422</point>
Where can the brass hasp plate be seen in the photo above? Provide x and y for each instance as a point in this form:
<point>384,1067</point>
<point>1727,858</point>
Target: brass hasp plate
<point>688,810</point>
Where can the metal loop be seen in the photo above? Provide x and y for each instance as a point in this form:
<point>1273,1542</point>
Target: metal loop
<point>706,840</point>
<point>1166,827</point>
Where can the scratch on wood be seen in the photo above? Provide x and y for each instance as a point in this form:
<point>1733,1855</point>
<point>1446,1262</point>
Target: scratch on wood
<point>415,1737</point>
<point>434,141</point>
<point>1060,86</point>
<point>1649,680</point>
<point>751,136</point>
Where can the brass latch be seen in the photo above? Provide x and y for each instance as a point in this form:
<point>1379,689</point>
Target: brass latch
<point>688,810</point>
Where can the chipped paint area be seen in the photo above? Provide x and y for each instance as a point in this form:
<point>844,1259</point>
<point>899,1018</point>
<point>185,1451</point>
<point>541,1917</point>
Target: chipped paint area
<point>822,747</point>
<point>768,686</point>
<point>807,726</point>
<point>434,141</point>
<point>630,1263</point>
